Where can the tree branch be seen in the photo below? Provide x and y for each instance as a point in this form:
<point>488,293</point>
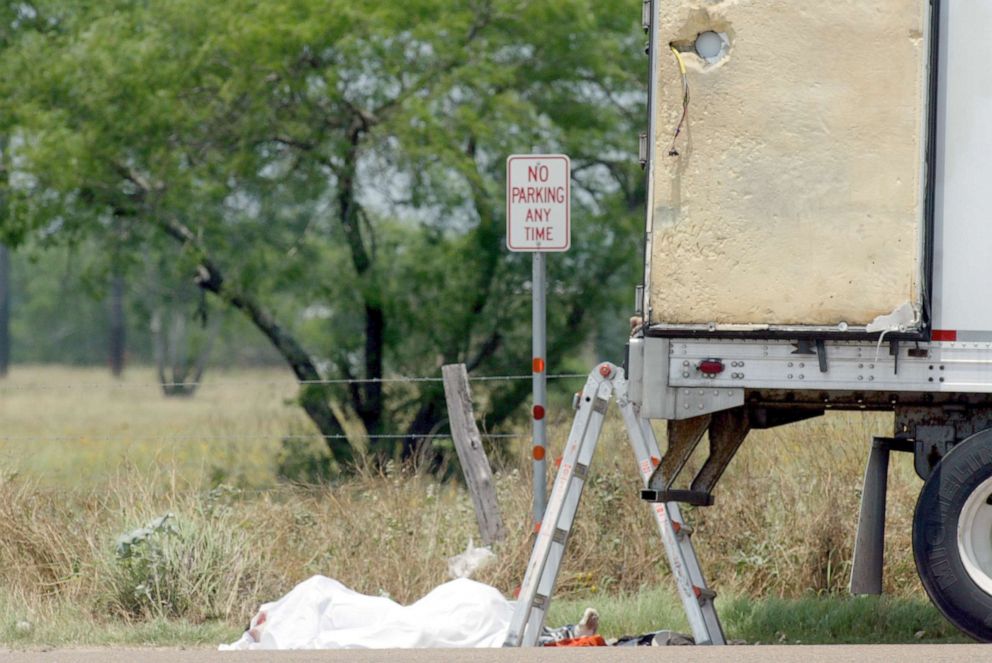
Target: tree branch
<point>313,397</point>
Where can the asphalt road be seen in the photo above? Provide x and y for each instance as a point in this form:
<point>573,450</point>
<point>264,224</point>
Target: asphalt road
<point>742,654</point>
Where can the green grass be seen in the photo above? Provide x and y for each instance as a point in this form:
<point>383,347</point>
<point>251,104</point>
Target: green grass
<point>810,620</point>
<point>79,427</point>
<point>65,626</point>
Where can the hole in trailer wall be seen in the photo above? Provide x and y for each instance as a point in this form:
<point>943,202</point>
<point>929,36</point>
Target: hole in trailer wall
<point>709,46</point>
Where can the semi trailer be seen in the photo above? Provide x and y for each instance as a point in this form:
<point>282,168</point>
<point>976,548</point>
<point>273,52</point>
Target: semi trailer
<point>819,237</point>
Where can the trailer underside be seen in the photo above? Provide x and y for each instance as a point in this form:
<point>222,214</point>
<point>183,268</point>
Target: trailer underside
<point>941,399</point>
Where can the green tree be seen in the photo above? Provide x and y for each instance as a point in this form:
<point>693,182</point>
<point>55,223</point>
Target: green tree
<point>334,171</point>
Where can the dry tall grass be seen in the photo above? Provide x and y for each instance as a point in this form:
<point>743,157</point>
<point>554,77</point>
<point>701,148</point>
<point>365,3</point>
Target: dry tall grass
<point>783,524</point>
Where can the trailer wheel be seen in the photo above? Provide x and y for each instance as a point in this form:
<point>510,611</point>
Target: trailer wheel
<point>952,536</point>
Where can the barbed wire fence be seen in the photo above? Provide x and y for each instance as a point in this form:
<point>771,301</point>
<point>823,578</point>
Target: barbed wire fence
<point>115,438</point>
<point>4,386</point>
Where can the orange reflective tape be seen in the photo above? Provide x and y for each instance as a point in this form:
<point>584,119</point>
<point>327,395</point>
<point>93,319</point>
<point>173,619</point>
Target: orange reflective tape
<point>538,452</point>
<point>538,365</point>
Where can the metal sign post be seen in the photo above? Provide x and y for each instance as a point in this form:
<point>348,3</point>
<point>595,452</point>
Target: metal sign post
<point>538,221</point>
<point>539,322</point>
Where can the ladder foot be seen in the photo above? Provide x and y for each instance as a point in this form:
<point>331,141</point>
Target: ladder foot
<point>704,593</point>
<point>694,497</point>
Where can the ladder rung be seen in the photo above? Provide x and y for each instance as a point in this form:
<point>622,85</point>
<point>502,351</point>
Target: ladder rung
<point>694,497</point>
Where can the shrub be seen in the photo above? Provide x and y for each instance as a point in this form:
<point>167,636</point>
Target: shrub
<point>200,566</point>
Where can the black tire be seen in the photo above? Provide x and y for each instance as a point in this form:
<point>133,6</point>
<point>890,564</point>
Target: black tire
<point>935,535</point>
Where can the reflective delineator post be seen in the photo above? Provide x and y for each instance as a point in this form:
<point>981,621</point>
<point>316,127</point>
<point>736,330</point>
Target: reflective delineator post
<point>540,377</point>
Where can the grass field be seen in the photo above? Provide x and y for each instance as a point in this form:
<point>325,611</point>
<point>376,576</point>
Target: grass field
<point>85,459</point>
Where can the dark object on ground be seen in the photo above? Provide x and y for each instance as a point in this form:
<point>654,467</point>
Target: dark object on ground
<point>663,638</point>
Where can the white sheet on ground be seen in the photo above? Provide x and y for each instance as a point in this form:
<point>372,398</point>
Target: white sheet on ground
<point>321,613</point>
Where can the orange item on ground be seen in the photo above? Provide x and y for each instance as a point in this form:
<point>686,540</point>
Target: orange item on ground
<point>584,641</point>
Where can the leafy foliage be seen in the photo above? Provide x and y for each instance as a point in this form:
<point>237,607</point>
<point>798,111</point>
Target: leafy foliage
<point>334,170</point>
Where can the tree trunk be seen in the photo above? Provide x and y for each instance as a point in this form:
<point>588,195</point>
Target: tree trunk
<point>117,329</point>
<point>171,346</point>
<point>4,310</point>
<point>370,406</point>
<point>432,412</point>
<point>369,401</point>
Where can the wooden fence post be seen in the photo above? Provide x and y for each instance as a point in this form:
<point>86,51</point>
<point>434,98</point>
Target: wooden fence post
<point>471,455</point>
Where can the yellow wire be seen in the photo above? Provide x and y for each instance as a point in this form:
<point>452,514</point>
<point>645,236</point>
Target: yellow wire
<point>678,56</point>
<point>672,152</point>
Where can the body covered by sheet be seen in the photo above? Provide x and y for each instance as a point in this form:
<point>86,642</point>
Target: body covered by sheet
<point>321,613</point>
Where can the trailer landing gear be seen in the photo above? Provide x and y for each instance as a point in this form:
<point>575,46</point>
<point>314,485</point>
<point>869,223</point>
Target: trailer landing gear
<point>952,536</point>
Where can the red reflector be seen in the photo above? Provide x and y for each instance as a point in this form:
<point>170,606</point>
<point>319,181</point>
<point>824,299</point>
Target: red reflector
<point>944,335</point>
<point>538,412</point>
<point>711,366</point>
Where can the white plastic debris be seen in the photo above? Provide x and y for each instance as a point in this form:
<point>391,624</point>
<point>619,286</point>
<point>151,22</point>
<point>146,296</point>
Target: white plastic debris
<point>321,613</point>
<point>464,565</point>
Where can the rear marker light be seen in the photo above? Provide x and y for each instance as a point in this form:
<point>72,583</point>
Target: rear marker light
<point>710,366</point>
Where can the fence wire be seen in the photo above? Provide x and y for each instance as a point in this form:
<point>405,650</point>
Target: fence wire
<point>114,438</point>
<point>43,386</point>
<point>238,438</point>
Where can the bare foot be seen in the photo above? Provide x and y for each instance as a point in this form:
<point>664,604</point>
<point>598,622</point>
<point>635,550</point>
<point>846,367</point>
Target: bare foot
<point>257,624</point>
<point>589,623</point>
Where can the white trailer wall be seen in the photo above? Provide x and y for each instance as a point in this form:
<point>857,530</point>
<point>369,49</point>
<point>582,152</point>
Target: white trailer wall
<point>797,194</point>
<point>963,218</point>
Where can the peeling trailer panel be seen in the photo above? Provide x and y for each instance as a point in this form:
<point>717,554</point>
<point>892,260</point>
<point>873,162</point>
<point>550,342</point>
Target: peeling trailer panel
<point>794,193</point>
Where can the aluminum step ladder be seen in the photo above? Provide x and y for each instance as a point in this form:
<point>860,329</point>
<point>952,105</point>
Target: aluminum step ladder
<point>604,383</point>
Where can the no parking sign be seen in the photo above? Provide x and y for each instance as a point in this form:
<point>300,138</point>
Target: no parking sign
<point>537,203</point>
